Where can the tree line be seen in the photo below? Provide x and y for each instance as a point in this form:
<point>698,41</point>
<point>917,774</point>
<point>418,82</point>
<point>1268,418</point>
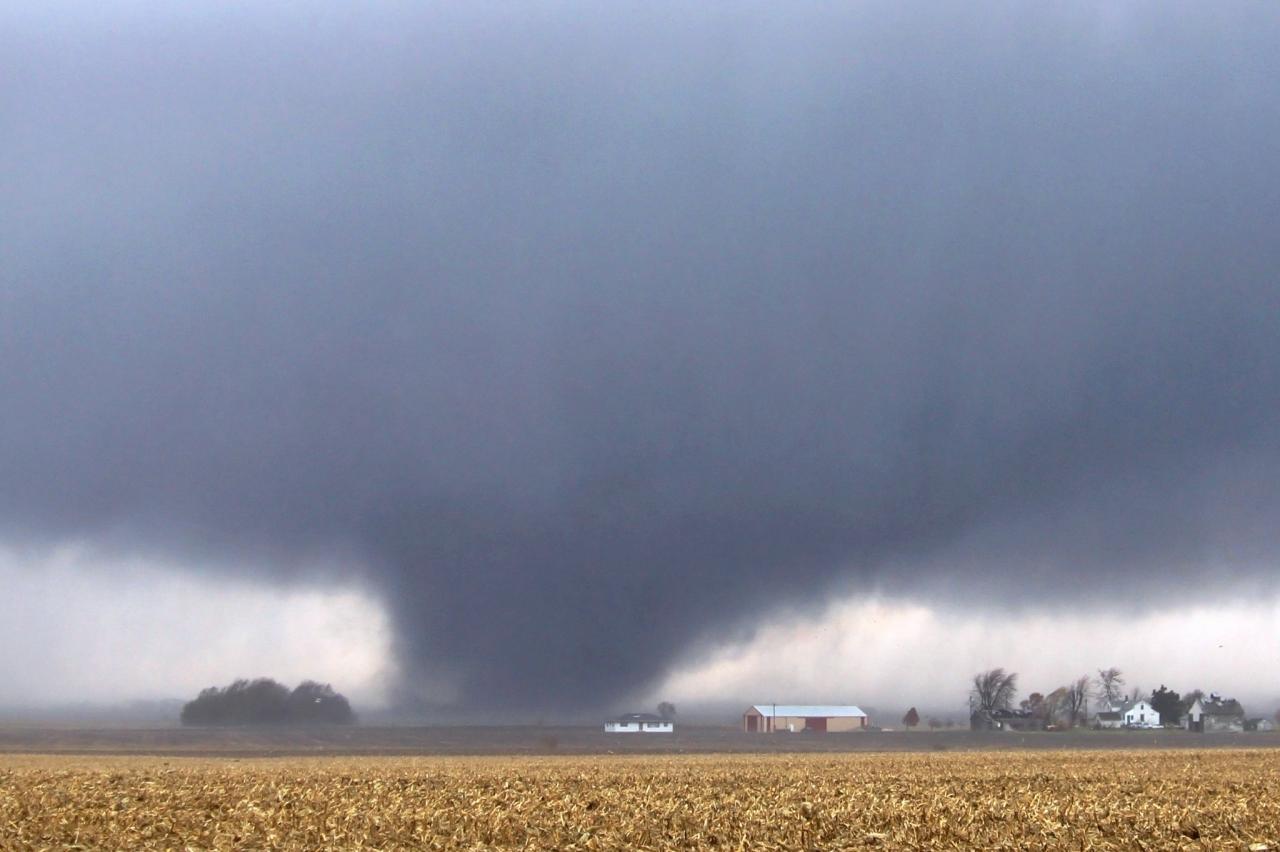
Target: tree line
<point>263,701</point>
<point>994,691</point>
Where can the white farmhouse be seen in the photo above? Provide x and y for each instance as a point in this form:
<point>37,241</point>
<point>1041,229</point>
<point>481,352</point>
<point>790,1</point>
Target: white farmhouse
<point>1140,714</point>
<point>639,723</point>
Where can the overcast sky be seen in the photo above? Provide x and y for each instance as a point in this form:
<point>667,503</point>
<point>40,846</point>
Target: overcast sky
<point>79,628</point>
<point>580,341</point>
<point>91,632</point>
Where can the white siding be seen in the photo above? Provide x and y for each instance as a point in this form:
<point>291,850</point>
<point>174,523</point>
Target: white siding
<point>1141,714</point>
<point>650,727</point>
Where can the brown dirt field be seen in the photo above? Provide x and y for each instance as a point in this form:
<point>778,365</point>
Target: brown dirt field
<point>1171,799</point>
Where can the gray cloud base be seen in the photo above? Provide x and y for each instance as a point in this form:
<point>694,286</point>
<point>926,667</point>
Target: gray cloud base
<point>591,334</point>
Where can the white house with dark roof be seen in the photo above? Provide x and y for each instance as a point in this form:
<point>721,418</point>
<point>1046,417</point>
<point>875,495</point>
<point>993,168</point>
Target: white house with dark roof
<point>639,723</point>
<point>796,718</point>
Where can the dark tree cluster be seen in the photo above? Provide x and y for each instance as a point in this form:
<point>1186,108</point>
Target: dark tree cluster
<point>1168,704</point>
<point>266,702</point>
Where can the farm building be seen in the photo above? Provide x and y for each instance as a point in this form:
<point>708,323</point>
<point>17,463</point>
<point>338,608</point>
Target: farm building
<point>1002,719</point>
<point>639,723</point>
<point>1140,714</point>
<point>1108,719</point>
<point>1215,714</point>
<point>813,718</point>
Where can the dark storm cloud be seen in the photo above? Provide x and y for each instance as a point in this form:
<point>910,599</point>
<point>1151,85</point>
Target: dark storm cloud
<point>593,332</point>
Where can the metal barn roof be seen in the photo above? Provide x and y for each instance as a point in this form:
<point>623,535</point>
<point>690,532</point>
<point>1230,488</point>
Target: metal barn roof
<point>809,710</point>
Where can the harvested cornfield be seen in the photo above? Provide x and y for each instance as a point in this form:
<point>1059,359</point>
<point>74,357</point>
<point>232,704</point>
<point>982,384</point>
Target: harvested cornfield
<point>1222,799</point>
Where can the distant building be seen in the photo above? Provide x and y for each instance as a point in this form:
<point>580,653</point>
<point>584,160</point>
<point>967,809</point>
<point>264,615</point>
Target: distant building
<point>1140,714</point>
<point>1215,715</point>
<point>1108,719</point>
<point>1002,719</point>
<point>797,718</point>
<point>639,723</point>
<point>1259,725</point>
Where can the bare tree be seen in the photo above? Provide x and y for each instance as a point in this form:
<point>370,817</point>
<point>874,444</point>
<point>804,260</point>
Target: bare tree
<point>993,690</point>
<point>666,710</point>
<point>1109,687</point>
<point>1076,701</point>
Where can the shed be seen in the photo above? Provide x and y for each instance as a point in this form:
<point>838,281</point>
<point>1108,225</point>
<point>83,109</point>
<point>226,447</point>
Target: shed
<point>812,718</point>
<point>1108,719</point>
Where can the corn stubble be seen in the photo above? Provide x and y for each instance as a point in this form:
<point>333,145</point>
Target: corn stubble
<point>1008,800</point>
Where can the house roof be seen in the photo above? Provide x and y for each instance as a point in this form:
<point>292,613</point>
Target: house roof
<point>638,717</point>
<point>1010,713</point>
<point>1110,715</point>
<point>1215,705</point>
<point>1218,707</point>
<point>809,710</point>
